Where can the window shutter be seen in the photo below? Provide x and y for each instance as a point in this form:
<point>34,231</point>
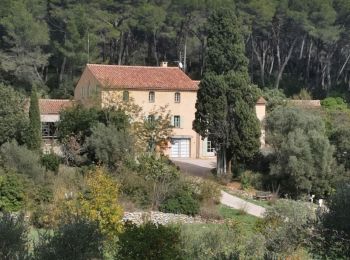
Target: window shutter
<point>172,121</point>
<point>181,122</point>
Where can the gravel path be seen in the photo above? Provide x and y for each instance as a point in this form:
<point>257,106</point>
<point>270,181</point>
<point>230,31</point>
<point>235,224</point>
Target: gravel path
<point>201,168</point>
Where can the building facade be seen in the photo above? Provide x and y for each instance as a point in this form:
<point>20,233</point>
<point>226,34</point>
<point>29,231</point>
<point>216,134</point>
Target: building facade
<point>151,88</point>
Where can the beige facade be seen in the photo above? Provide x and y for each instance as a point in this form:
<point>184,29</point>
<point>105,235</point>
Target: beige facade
<point>179,102</point>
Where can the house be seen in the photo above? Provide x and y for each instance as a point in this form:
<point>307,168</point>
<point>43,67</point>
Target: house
<point>149,88</point>
<point>49,116</point>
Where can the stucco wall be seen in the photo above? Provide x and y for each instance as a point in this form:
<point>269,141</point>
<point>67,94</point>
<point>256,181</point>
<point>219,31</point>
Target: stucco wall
<point>185,109</point>
<point>49,118</point>
<point>261,113</point>
<point>91,90</point>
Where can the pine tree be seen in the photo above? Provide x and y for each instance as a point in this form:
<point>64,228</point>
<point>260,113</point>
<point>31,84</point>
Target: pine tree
<point>226,99</point>
<point>34,131</point>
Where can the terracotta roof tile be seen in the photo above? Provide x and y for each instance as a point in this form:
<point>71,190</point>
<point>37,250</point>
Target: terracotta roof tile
<point>53,106</point>
<point>261,101</point>
<point>142,77</point>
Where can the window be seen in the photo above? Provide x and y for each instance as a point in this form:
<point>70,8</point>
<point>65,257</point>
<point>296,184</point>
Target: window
<point>48,129</point>
<point>210,148</point>
<point>177,97</point>
<point>177,122</point>
<point>150,118</point>
<point>125,96</point>
<point>151,97</point>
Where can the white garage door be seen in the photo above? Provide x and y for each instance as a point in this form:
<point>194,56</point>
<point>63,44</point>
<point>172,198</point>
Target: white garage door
<point>180,148</point>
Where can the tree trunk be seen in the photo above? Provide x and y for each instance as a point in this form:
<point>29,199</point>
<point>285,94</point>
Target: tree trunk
<point>155,48</point>
<point>282,66</point>
<point>120,48</point>
<point>63,66</point>
<point>221,162</point>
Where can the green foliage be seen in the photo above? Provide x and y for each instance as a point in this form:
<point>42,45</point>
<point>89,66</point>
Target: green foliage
<point>110,145</point>
<point>285,227</point>
<point>13,118</point>
<point>225,113</point>
<point>303,157</point>
<point>333,231</point>
<point>76,239</point>
<point>77,121</point>
<point>149,241</point>
<point>340,138</point>
<point>12,192</point>
<point>13,237</point>
<point>219,242</point>
<point>334,103</point>
<point>51,162</point>
<point>274,98</point>
<point>34,130</point>
<point>21,160</point>
<point>162,175</point>
<point>181,201</point>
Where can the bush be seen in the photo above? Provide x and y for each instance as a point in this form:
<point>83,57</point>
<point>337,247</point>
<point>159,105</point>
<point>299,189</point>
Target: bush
<point>12,192</point>
<point>333,231</point>
<point>78,239</point>
<point>334,103</point>
<point>13,237</point>
<point>285,227</point>
<point>149,241</point>
<point>51,162</point>
<point>209,191</point>
<point>251,179</point>
<point>182,203</point>
<point>218,242</point>
<point>21,160</point>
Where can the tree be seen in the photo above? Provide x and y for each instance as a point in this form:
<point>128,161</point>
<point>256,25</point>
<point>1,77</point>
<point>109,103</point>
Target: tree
<point>100,203</point>
<point>226,99</point>
<point>13,118</point>
<point>12,192</point>
<point>110,145</point>
<point>26,33</point>
<point>303,157</point>
<point>34,131</point>
<point>149,241</point>
<point>13,237</point>
<point>76,238</point>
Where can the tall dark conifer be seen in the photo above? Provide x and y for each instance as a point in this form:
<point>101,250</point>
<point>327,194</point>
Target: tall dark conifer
<point>226,99</point>
<point>34,131</point>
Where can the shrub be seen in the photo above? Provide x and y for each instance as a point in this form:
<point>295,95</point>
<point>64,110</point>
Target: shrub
<point>334,103</point>
<point>246,180</point>
<point>110,145</point>
<point>51,162</point>
<point>285,227</point>
<point>149,241</point>
<point>333,231</point>
<point>209,191</point>
<point>77,239</point>
<point>182,203</point>
<point>161,174</point>
<point>13,237</point>
<point>21,160</point>
<point>12,192</point>
<point>212,242</point>
<point>100,203</point>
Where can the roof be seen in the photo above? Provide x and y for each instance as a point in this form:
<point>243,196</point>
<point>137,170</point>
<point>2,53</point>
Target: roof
<point>261,101</point>
<point>306,103</point>
<point>142,77</point>
<point>53,106</point>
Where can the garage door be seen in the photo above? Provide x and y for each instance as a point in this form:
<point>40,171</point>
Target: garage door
<point>180,148</point>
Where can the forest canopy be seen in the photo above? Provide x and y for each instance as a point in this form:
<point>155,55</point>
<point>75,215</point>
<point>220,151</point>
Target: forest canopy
<point>291,44</point>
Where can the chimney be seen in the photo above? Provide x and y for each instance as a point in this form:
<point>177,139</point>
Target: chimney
<point>164,64</point>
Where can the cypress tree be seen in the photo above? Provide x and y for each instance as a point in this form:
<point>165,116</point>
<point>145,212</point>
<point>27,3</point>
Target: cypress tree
<point>34,131</point>
<point>226,99</point>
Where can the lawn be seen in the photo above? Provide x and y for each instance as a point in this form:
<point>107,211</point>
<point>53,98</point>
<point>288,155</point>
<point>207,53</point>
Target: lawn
<point>247,221</point>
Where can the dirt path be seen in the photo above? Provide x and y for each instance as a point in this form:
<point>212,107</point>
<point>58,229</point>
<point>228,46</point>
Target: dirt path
<point>201,168</point>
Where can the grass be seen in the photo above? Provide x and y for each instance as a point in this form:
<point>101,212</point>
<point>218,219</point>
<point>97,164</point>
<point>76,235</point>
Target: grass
<point>248,221</point>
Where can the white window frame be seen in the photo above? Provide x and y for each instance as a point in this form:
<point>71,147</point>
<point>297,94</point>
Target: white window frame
<point>177,121</point>
<point>151,97</point>
<point>177,97</point>
<point>210,148</point>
